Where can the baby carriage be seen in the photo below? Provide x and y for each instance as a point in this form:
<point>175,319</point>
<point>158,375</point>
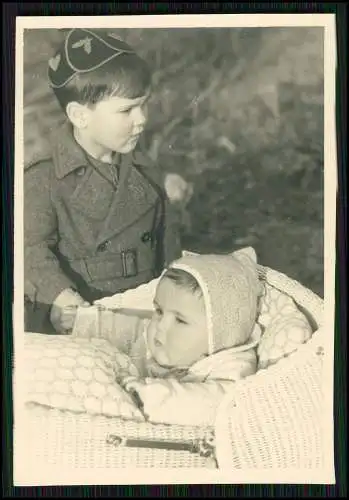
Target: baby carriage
<point>271,420</point>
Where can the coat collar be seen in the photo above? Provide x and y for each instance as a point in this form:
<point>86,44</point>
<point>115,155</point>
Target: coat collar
<point>69,156</point>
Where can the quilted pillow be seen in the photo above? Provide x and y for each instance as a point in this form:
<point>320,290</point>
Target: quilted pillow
<point>284,327</point>
<point>77,375</point>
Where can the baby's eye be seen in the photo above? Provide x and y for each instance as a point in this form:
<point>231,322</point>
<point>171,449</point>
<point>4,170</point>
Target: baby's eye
<point>158,311</point>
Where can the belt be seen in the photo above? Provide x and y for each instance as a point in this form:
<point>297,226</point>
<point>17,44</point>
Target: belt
<point>126,264</point>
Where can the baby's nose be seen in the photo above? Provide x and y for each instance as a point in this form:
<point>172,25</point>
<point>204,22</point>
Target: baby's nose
<point>162,328</point>
<point>160,338</point>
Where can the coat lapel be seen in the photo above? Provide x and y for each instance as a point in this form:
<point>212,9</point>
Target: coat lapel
<point>92,196</point>
<point>131,200</point>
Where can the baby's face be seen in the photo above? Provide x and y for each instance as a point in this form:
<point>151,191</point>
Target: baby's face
<point>177,334</point>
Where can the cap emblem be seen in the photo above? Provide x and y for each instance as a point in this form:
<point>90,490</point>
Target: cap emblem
<point>85,43</point>
<point>54,62</point>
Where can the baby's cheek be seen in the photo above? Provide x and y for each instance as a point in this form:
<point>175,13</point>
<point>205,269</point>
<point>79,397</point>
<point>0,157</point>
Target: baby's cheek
<point>177,351</point>
<point>151,334</point>
<point>151,330</point>
<point>182,353</point>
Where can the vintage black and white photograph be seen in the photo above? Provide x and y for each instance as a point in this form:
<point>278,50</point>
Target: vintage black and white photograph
<point>175,218</point>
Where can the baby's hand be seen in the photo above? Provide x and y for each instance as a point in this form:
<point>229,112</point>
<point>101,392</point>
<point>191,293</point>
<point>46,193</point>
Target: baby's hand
<point>135,387</point>
<point>133,384</point>
<point>148,394</point>
<point>128,382</point>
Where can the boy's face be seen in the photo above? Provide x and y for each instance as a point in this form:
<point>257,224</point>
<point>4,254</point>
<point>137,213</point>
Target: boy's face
<point>177,334</point>
<point>114,124</point>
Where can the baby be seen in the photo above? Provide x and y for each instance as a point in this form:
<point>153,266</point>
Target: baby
<point>199,341</point>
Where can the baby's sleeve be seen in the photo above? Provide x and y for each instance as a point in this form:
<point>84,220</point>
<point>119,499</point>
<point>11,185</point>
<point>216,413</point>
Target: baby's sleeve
<point>192,402</point>
<point>170,401</point>
<point>120,330</point>
<point>136,298</point>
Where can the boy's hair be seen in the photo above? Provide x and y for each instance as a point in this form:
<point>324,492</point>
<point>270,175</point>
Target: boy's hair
<point>184,280</point>
<point>127,75</point>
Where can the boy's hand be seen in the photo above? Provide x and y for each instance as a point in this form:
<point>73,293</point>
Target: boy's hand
<point>63,310</point>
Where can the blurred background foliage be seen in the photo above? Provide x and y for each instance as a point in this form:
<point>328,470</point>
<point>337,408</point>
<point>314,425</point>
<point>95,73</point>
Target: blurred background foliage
<point>237,112</point>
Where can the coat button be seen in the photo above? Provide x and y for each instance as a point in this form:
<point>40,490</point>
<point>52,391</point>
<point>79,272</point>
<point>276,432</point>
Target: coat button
<point>146,237</point>
<point>103,246</point>
<point>81,171</point>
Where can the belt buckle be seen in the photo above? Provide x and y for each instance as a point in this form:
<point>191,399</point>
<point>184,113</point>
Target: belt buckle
<point>129,263</point>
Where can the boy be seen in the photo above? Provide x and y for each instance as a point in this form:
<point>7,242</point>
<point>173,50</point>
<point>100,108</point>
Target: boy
<point>200,340</point>
<point>96,217</point>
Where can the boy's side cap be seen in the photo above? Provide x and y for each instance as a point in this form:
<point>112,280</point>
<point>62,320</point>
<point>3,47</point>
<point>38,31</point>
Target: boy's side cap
<point>82,51</point>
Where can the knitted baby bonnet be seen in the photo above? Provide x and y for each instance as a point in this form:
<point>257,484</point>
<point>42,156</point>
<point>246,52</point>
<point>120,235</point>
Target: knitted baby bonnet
<point>230,288</point>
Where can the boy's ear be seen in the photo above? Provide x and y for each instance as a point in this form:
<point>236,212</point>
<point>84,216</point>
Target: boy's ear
<point>77,114</point>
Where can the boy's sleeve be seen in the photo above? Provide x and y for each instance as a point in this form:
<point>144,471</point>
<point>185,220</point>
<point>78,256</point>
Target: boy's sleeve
<point>44,279</point>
